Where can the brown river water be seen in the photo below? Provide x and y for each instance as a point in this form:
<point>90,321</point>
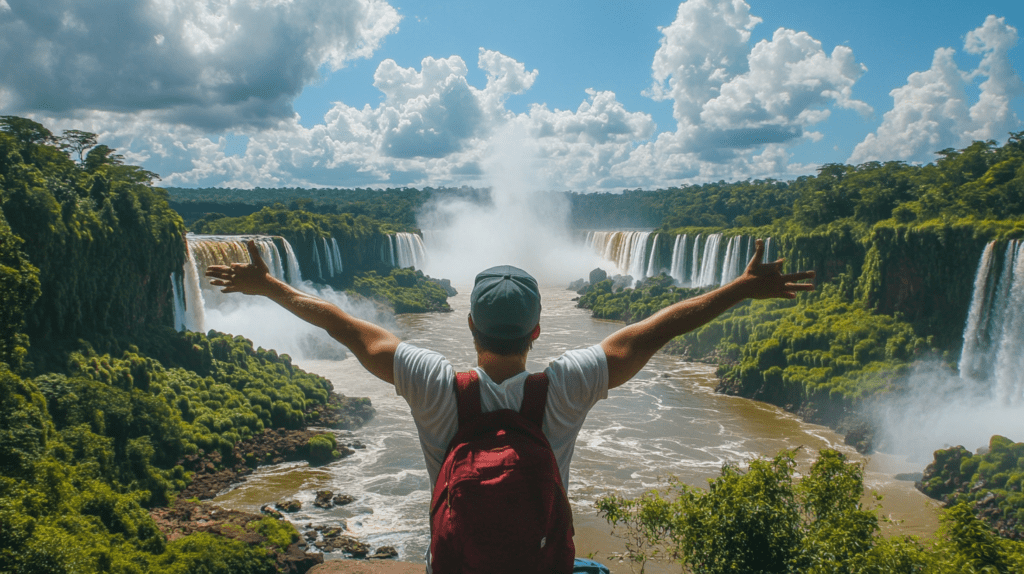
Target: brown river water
<point>666,421</point>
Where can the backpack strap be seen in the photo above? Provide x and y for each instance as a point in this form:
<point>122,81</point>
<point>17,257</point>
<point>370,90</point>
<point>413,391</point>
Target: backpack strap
<point>535,398</point>
<point>467,391</point>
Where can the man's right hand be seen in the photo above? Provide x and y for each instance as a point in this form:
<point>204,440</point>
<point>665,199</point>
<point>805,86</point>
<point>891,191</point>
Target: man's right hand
<point>249,278</point>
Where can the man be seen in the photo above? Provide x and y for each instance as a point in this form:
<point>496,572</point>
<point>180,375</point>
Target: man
<point>505,320</point>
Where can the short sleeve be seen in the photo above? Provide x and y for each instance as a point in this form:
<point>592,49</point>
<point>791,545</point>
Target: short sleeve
<point>424,378</point>
<point>583,374</point>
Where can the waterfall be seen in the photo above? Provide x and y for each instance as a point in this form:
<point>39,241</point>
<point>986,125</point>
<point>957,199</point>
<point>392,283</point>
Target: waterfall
<point>971,359</point>
<point>993,350</point>
<point>294,273</point>
<point>206,250</point>
<point>694,263</point>
<point>316,260</point>
<point>1009,367</point>
<point>652,263</point>
<point>328,257</point>
<point>731,267</point>
<point>179,301</point>
<point>194,317</point>
<point>709,262</point>
<point>678,269</point>
<point>338,268</point>
<point>387,250</point>
<point>407,251</point>
<point>626,250</point>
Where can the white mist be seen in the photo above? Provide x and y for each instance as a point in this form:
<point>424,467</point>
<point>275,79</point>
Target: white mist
<point>526,226</point>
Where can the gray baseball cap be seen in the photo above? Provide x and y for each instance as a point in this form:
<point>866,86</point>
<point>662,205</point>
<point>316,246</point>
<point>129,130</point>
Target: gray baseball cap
<point>505,303</point>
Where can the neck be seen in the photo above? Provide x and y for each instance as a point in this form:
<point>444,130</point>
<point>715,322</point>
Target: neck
<point>501,367</point>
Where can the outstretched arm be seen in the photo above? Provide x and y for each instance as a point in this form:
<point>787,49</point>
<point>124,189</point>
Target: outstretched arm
<point>372,345</point>
<point>629,348</point>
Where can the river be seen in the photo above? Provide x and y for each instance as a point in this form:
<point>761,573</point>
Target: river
<point>666,421</point>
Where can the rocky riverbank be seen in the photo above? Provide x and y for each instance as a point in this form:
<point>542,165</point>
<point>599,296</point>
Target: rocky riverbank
<point>187,517</point>
<point>213,472</point>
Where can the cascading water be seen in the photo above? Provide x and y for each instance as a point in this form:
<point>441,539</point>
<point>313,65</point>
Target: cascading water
<point>194,317</point>
<point>695,263</point>
<point>993,350</point>
<point>206,250</point>
<point>178,292</point>
<point>336,254</point>
<point>709,262</point>
<point>263,321</point>
<point>678,269</point>
<point>294,273</point>
<point>408,251</point>
<point>328,258</point>
<point>626,250</point>
<point>652,262</point>
<point>316,261</point>
<point>972,361</point>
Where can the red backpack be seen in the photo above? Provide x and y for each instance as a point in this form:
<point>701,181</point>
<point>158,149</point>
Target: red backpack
<point>498,504</point>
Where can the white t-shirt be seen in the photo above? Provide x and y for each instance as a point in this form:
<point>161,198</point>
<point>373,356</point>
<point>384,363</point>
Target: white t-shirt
<point>577,380</point>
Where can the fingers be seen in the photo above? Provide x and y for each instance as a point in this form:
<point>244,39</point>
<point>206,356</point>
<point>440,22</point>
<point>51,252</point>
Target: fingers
<point>254,255</point>
<point>758,254</point>
<point>799,287</point>
<point>216,270</point>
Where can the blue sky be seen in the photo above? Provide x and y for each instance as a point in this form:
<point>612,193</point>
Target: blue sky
<point>624,94</point>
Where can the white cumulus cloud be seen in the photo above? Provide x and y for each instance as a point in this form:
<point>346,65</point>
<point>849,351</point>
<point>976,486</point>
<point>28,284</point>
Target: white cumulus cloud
<point>932,112</point>
<point>730,98</point>
<point>213,64</point>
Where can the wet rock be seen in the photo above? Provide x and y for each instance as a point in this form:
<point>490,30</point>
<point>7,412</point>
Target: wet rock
<point>343,499</point>
<point>620,282</point>
<point>345,544</point>
<point>271,511</point>
<point>578,285</point>
<point>323,499</point>
<point>861,437</point>
<point>288,505</point>
<point>384,552</point>
<point>598,275</point>
<point>332,531</point>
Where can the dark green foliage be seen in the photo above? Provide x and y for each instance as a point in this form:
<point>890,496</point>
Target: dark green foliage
<point>103,239</point>
<point>24,424</point>
<point>202,552</point>
<point>825,353</point>
<point>323,448</point>
<point>404,290</point>
<point>82,453</point>
<point>992,482</point>
<point>819,352</point>
<point>397,206</point>
<point>19,289</point>
<point>631,305</point>
<point>760,520</point>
